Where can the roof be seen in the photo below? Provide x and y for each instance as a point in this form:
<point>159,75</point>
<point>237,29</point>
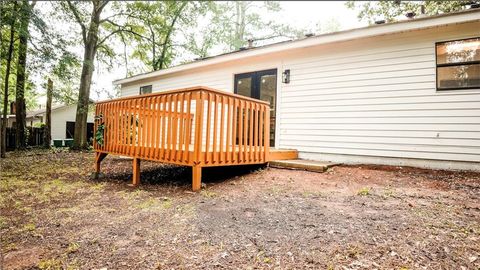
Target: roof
<point>469,15</point>
<point>54,107</point>
<point>42,111</point>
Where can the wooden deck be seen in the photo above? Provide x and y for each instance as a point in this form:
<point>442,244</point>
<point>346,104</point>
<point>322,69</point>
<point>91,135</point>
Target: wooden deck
<point>195,127</point>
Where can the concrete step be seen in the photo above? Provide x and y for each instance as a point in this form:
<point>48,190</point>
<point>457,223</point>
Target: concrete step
<point>302,164</point>
<point>283,154</point>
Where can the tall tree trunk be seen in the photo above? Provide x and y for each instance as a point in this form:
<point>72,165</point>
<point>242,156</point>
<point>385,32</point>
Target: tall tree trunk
<point>7,77</point>
<point>48,116</point>
<point>20,108</point>
<point>90,43</point>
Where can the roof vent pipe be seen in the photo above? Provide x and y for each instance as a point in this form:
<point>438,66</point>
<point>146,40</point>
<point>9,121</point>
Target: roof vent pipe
<point>250,43</point>
<point>379,21</point>
<point>410,14</point>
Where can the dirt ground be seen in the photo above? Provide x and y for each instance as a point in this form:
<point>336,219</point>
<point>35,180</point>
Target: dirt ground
<point>53,216</point>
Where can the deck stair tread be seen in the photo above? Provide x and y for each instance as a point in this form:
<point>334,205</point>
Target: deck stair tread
<point>302,164</point>
<point>283,154</point>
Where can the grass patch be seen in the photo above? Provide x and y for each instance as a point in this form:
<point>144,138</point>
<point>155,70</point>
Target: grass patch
<point>148,203</point>
<point>152,203</point>
<point>310,194</point>
<point>50,264</point>
<point>208,194</point>
<point>30,227</point>
<point>364,191</point>
<point>73,247</point>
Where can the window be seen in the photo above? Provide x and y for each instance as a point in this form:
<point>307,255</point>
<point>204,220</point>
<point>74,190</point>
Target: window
<point>458,64</point>
<point>147,89</point>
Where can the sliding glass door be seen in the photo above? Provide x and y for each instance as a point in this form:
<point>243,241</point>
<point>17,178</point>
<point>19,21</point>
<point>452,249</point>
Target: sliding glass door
<point>260,85</point>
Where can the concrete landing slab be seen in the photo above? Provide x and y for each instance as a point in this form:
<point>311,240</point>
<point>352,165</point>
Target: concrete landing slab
<point>302,164</point>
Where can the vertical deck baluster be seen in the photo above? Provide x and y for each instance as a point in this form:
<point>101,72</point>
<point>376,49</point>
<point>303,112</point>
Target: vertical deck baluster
<point>130,126</point>
<point>143,118</point>
<point>135,123</point>
<point>240,131</point>
<point>181,117</point>
<point>208,158</point>
<point>255,131</point>
<point>156,118</point>
<point>110,126</point>
<point>164,129</point>
<point>153,126</point>
<point>260,131</point>
<point>106,137</point>
<point>96,124</point>
<point>169,127</point>
<point>267,133</point>
<point>122,128</point>
<point>111,132</point>
<point>173,151</point>
<point>153,130</point>
<point>198,127</point>
<point>245,132</point>
<point>114,127</point>
<point>215,130</point>
<point>106,122</point>
<point>251,127</point>
<point>222,128</point>
<point>148,126</point>
<point>234,130</point>
<point>141,105</point>
<point>186,154</point>
<point>229,131</point>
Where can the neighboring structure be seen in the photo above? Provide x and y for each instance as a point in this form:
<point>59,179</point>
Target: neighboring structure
<point>405,93</point>
<point>63,121</point>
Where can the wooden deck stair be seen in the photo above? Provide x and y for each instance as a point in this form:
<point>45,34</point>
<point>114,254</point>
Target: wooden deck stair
<point>302,164</point>
<point>282,154</point>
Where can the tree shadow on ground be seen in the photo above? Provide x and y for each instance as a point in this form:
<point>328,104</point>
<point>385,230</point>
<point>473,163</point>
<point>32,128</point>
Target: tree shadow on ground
<point>154,173</point>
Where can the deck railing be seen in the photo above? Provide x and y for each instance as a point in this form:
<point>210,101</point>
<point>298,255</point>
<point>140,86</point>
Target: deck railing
<point>196,126</point>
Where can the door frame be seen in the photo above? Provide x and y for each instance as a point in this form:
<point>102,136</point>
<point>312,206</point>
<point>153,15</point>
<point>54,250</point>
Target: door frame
<point>256,91</point>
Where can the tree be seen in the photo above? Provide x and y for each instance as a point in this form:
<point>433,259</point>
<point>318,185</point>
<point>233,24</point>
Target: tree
<point>90,26</point>
<point>11,20</point>
<point>390,10</point>
<point>20,107</point>
<point>48,115</point>
<point>150,29</point>
<point>241,20</point>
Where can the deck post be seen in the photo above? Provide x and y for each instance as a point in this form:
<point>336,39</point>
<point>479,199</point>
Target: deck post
<point>196,177</point>
<point>136,172</point>
<point>98,159</point>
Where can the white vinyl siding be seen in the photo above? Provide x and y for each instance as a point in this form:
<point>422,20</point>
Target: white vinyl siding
<point>377,97</point>
<point>60,117</point>
<point>373,97</point>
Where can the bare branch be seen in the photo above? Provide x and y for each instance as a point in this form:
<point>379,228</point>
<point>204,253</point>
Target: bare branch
<point>76,13</point>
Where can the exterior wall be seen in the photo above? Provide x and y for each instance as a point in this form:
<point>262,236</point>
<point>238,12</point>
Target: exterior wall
<point>370,100</point>
<point>61,116</point>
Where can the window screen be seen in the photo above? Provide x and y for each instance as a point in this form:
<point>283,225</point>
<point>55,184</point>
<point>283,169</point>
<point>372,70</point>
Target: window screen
<point>458,64</point>
<point>147,89</point>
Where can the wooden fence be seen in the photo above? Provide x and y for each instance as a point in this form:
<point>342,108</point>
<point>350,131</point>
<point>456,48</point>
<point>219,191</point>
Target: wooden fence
<point>35,137</point>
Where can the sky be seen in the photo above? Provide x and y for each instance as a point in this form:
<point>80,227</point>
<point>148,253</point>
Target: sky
<point>300,14</point>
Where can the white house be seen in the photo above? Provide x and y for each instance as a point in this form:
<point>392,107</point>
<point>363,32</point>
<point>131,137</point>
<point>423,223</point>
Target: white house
<point>63,121</point>
<point>404,93</point>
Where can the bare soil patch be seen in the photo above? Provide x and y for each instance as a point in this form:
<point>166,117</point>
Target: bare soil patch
<point>53,216</point>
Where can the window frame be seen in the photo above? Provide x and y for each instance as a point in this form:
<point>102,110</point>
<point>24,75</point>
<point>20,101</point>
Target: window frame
<point>437,65</point>
<point>140,89</point>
